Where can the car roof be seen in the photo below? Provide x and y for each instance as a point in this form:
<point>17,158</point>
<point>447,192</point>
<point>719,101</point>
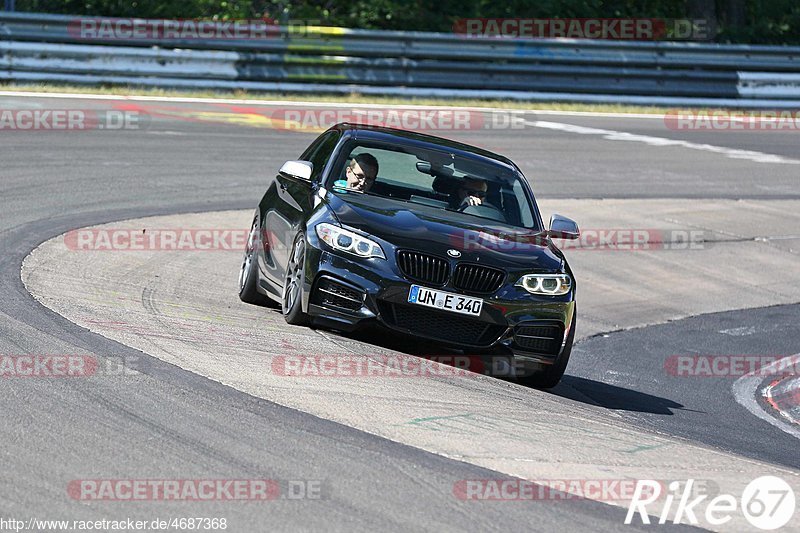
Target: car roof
<point>385,134</point>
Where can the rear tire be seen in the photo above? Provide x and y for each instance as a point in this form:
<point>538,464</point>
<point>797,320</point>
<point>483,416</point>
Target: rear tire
<point>248,275</point>
<point>292,293</point>
<point>551,376</point>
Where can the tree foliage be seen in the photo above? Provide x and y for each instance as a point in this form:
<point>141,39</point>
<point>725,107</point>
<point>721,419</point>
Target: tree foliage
<point>753,21</point>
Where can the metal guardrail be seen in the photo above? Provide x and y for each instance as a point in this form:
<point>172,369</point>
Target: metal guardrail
<point>36,47</point>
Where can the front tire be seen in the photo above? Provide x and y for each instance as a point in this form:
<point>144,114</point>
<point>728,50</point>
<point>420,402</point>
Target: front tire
<point>292,294</point>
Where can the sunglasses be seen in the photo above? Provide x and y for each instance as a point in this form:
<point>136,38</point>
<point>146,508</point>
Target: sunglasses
<point>360,177</point>
<point>474,192</point>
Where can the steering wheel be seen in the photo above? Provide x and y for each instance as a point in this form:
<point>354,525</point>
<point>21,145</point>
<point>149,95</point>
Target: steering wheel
<point>485,210</point>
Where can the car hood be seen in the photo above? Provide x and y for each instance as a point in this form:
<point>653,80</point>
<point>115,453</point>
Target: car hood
<point>435,230</point>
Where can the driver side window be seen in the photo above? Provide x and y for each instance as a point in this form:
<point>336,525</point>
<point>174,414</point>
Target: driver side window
<point>319,152</point>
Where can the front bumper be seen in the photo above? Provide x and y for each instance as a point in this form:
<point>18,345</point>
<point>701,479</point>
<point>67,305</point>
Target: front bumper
<point>348,293</point>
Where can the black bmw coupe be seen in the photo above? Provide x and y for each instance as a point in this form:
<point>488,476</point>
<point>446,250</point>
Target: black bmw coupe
<point>423,235</point>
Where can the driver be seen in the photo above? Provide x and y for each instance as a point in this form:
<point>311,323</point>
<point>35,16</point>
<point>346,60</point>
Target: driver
<point>360,173</point>
<point>471,191</point>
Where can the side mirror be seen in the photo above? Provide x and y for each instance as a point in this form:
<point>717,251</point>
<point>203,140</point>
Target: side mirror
<point>563,228</point>
<point>297,169</point>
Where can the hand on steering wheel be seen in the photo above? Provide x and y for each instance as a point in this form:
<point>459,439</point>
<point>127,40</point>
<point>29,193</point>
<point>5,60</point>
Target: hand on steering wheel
<point>470,201</point>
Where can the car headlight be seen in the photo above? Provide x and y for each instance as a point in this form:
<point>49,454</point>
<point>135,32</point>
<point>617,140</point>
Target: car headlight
<point>546,284</point>
<point>347,241</point>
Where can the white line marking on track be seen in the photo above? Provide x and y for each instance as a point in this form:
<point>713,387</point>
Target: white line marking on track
<point>612,135</point>
<point>739,332</point>
<point>746,387</point>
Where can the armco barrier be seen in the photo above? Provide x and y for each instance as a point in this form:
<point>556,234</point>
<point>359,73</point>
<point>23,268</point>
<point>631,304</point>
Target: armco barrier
<point>41,48</point>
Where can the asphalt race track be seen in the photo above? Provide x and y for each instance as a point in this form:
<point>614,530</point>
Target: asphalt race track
<point>200,402</point>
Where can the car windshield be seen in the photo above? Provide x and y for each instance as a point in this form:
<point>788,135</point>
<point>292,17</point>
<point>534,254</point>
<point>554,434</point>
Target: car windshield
<point>470,186</point>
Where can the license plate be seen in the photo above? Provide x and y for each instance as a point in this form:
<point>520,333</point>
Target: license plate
<point>447,301</point>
